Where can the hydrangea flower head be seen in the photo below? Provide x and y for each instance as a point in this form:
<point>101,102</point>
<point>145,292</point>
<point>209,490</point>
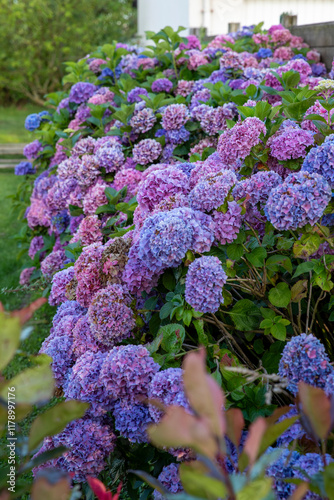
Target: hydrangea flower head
<point>301,199</point>
<point>204,284</point>
<point>304,359</point>
<point>26,275</point>
<point>109,314</point>
<point>227,224</point>
<point>81,92</point>
<point>159,184</point>
<point>58,289</point>
<point>131,420</point>
<point>236,143</point>
<point>290,143</point>
<point>134,94</point>
<point>146,151</point>
<point>32,122</point>
<point>162,85</point>
<point>211,191</point>
<point>170,479</point>
<point>32,150</point>
<point>320,160</point>
<point>167,387</point>
<point>127,372</point>
<point>24,168</point>
<point>111,158</point>
<point>175,116</point>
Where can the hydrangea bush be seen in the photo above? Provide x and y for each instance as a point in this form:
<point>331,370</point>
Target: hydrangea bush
<point>176,196</point>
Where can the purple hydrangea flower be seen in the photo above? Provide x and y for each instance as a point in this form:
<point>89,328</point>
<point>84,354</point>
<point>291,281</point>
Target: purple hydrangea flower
<point>134,94</point>
<point>227,224</point>
<point>131,420</point>
<point>127,372</point>
<point>24,168</point>
<point>211,191</point>
<point>58,289</point>
<point>169,478</point>
<point>304,359</point>
<point>257,188</point>
<point>84,382</point>
<point>166,236</point>
<point>32,149</point>
<point>146,151</point>
<point>143,120</point>
<point>87,272</point>
<point>167,387</point>
<point>204,284</point>
<point>236,143</point>
<point>110,158</point>
<point>84,146</point>
<point>162,85</point>
<point>281,469</point>
<point>88,444</point>
<point>53,263</point>
<point>301,199</point>
<point>295,431</point>
<point>290,143</point>
<point>177,136</point>
<point>69,308</point>
<point>320,160</point>
<point>159,184</point>
<point>175,116</point>
<point>84,340</point>
<point>109,314</point>
<point>36,244</point>
<point>89,231</point>
<point>60,222</point>
<point>26,275</point>
<point>81,92</point>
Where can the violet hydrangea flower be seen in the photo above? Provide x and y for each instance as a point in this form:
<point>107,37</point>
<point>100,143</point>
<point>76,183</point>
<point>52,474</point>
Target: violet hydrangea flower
<point>211,191</point>
<point>162,85</point>
<point>146,151</point>
<point>109,314</point>
<point>175,116</point>
<point>170,479</point>
<point>320,160</point>
<point>131,420</point>
<point>81,92</point>
<point>58,289</point>
<point>204,284</point>
<point>167,387</point>
<point>227,223</point>
<point>304,359</point>
<point>301,199</point>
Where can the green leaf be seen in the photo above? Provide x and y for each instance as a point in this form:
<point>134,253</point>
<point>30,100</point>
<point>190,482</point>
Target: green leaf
<point>304,267</point>
<point>168,280</point>
<point>166,310</point>
<point>173,336</point>
<point>278,331</point>
<point>75,211</point>
<point>307,245</point>
<point>202,336</point>
<point>267,313</point>
<point>200,485</point>
<point>245,315</point>
<point>256,490</point>
<point>257,256</point>
<point>234,251</point>
<point>54,420</point>
<point>187,317</point>
<point>275,261</point>
<point>280,296</point>
<point>34,385</point>
<point>266,323</point>
<point>10,330</point>
<point>328,475</point>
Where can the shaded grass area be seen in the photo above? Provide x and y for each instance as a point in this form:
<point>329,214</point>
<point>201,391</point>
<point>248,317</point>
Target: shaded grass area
<point>12,123</point>
<point>10,268</point>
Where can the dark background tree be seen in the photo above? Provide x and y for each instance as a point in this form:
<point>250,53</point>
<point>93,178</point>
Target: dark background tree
<point>37,36</point>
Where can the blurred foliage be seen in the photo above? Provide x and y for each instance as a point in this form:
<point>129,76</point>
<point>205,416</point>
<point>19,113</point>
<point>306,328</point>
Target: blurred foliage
<point>38,36</point>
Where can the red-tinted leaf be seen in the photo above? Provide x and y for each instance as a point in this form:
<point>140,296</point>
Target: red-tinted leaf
<point>178,428</point>
<point>25,314</point>
<point>234,425</point>
<point>315,410</point>
<point>204,394</point>
<point>254,438</point>
<point>99,489</point>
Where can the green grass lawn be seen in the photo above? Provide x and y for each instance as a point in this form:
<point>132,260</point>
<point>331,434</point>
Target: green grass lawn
<point>10,266</point>
<point>12,123</point>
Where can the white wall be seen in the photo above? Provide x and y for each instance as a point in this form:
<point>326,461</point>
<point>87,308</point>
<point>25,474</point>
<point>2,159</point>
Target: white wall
<point>216,14</point>
<point>156,14</point>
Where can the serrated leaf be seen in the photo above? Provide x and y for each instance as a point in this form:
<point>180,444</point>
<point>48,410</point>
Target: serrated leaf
<point>245,315</point>
<point>173,336</point>
<point>257,256</point>
<point>280,296</point>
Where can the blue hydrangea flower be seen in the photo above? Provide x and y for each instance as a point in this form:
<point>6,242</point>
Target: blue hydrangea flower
<point>131,420</point>
<point>60,221</point>
<point>106,73</point>
<point>134,94</point>
<point>24,168</point>
<point>169,478</point>
<point>45,116</point>
<point>301,199</point>
<point>281,469</point>
<point>177,136</point>
<point>32,122</point>
<point>263,53</point>
<point>204,284</point>
<point>304,359</point>
<point>320,160</point>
